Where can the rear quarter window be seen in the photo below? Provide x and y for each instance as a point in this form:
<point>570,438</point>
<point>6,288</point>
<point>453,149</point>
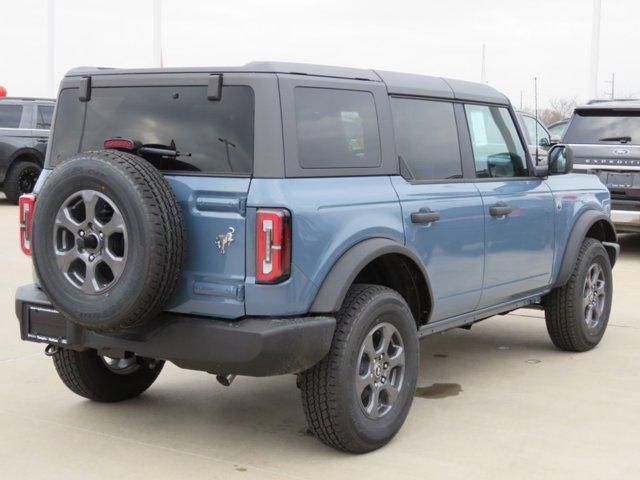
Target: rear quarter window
<point>67,130</point>
<point>336,128</point>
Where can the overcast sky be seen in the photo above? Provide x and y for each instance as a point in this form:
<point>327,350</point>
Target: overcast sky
<point>549,39</point>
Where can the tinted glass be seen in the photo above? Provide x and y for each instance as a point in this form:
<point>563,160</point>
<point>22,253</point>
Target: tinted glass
<point>211,136</point>
<point>559,129</point>
<point>534,129</point>
<point>497,149</point>
<point>602,126</point>
<point>45,114</point>
<point>10,116</point>
<point>426,138</point>
<point>68,129</point>
<point>336,128</point>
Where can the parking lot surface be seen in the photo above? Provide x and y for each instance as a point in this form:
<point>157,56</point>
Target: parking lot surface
<point>498,401</point>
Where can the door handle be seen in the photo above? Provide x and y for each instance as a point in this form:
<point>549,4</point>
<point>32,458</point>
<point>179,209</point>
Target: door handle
<point>425,216</point>
<point>500,210</point>
<point>42,140</point>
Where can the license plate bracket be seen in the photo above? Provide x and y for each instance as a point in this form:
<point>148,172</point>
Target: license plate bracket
<point>45,325</point>
<point>620,180</point>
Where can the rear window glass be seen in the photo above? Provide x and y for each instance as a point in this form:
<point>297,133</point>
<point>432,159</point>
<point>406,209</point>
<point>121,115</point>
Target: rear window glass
<point>336,128</point>
<point>10,116</point>
<point>214,137</point>
<point>607,127</point>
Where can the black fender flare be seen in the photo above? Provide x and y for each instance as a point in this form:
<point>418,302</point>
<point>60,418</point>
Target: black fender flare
<point>578,233</point>
<point>26,152</point>
<point>341,276</point>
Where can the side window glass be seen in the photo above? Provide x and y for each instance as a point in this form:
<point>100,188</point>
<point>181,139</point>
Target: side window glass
<point>530,127</point>
<point>336,128</point>
<point>10,116</point>
<point>535,130</point>
<point>542,133</point>
<point>497,149</point>
<point>426,139</point>
<point>45,114</point>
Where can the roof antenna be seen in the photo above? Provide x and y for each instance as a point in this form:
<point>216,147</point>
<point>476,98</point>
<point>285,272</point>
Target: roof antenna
<point>535,103</point>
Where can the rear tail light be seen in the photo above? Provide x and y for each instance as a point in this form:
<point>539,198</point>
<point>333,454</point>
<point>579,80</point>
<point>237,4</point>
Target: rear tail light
<point>119,144</point>
<point>27,205</point>
<point>273,245</point>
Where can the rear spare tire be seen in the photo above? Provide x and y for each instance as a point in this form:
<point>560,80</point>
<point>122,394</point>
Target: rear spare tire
<point>108,240</point>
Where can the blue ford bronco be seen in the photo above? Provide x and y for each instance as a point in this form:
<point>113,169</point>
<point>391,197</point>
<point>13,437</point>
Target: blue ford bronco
<point>298,219</point>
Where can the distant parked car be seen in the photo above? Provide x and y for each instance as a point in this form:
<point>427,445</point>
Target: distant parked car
<point>538,138</point>
<point>605,139</point>
<point>24,133</point>
<point>557,129</point>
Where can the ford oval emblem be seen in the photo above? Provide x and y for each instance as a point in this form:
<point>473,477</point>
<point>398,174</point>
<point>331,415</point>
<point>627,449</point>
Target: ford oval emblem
<point>621,151</point>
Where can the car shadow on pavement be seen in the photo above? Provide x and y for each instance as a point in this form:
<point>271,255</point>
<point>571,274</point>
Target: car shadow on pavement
<point>4,202</point>
<point>629,245</point>
<point>190,411</point>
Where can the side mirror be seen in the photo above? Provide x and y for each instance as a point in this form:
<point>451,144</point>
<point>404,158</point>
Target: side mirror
<point>544,142</point>
<point>560,159</point>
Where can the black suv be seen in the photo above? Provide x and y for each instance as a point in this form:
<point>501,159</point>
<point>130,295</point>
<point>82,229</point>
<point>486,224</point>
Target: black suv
<point>24,133</point>
<point>605,140</point>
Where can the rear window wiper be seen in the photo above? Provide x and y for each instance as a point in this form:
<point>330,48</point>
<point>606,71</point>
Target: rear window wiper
<point>623,139</point>
<point>163,151</point>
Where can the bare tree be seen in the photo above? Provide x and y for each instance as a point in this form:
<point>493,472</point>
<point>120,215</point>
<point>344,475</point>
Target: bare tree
<point>559,109</point>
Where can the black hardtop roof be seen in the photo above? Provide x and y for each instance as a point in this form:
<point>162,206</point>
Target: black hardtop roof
<point>397,83</point>
<point>631,104</point>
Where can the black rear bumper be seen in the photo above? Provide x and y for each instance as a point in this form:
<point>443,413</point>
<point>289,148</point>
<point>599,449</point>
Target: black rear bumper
<point>251,346</point>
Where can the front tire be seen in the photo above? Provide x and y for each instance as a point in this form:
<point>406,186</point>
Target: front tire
<point>357,398</point>
<point>577,313</point>
<point>103,379</point>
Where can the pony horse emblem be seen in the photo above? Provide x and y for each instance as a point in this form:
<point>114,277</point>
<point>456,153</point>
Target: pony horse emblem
<point>225,239</point>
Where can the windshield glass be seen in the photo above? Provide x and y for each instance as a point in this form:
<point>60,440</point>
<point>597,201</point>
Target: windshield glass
<point>604,126</point>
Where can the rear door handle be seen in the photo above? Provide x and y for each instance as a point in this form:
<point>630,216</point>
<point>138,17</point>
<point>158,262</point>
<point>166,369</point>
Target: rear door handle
<point>425,216</point>
<point>500,210</point>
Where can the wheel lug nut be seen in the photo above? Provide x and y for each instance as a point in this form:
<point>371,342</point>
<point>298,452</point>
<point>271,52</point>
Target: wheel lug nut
<point>81,233</point>
<point>91,257</point>
<point>383,379</point>
<point>386,365</point>
<point>101,234</point>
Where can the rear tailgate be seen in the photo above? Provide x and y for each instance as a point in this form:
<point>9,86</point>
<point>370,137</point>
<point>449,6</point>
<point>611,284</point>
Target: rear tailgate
<point>210,169</point>
<point>214,272</point>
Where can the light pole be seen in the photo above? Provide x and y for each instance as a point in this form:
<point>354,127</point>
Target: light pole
<point>51,51</point>
<point>483,71</point>
<point>595,47</point>
<point>157,33</point>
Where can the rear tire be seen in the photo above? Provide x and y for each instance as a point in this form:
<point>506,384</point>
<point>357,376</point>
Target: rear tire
<point>87,374</point>
<point>21,179</point>
<point>577,313</point>
<point>353,402</point>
